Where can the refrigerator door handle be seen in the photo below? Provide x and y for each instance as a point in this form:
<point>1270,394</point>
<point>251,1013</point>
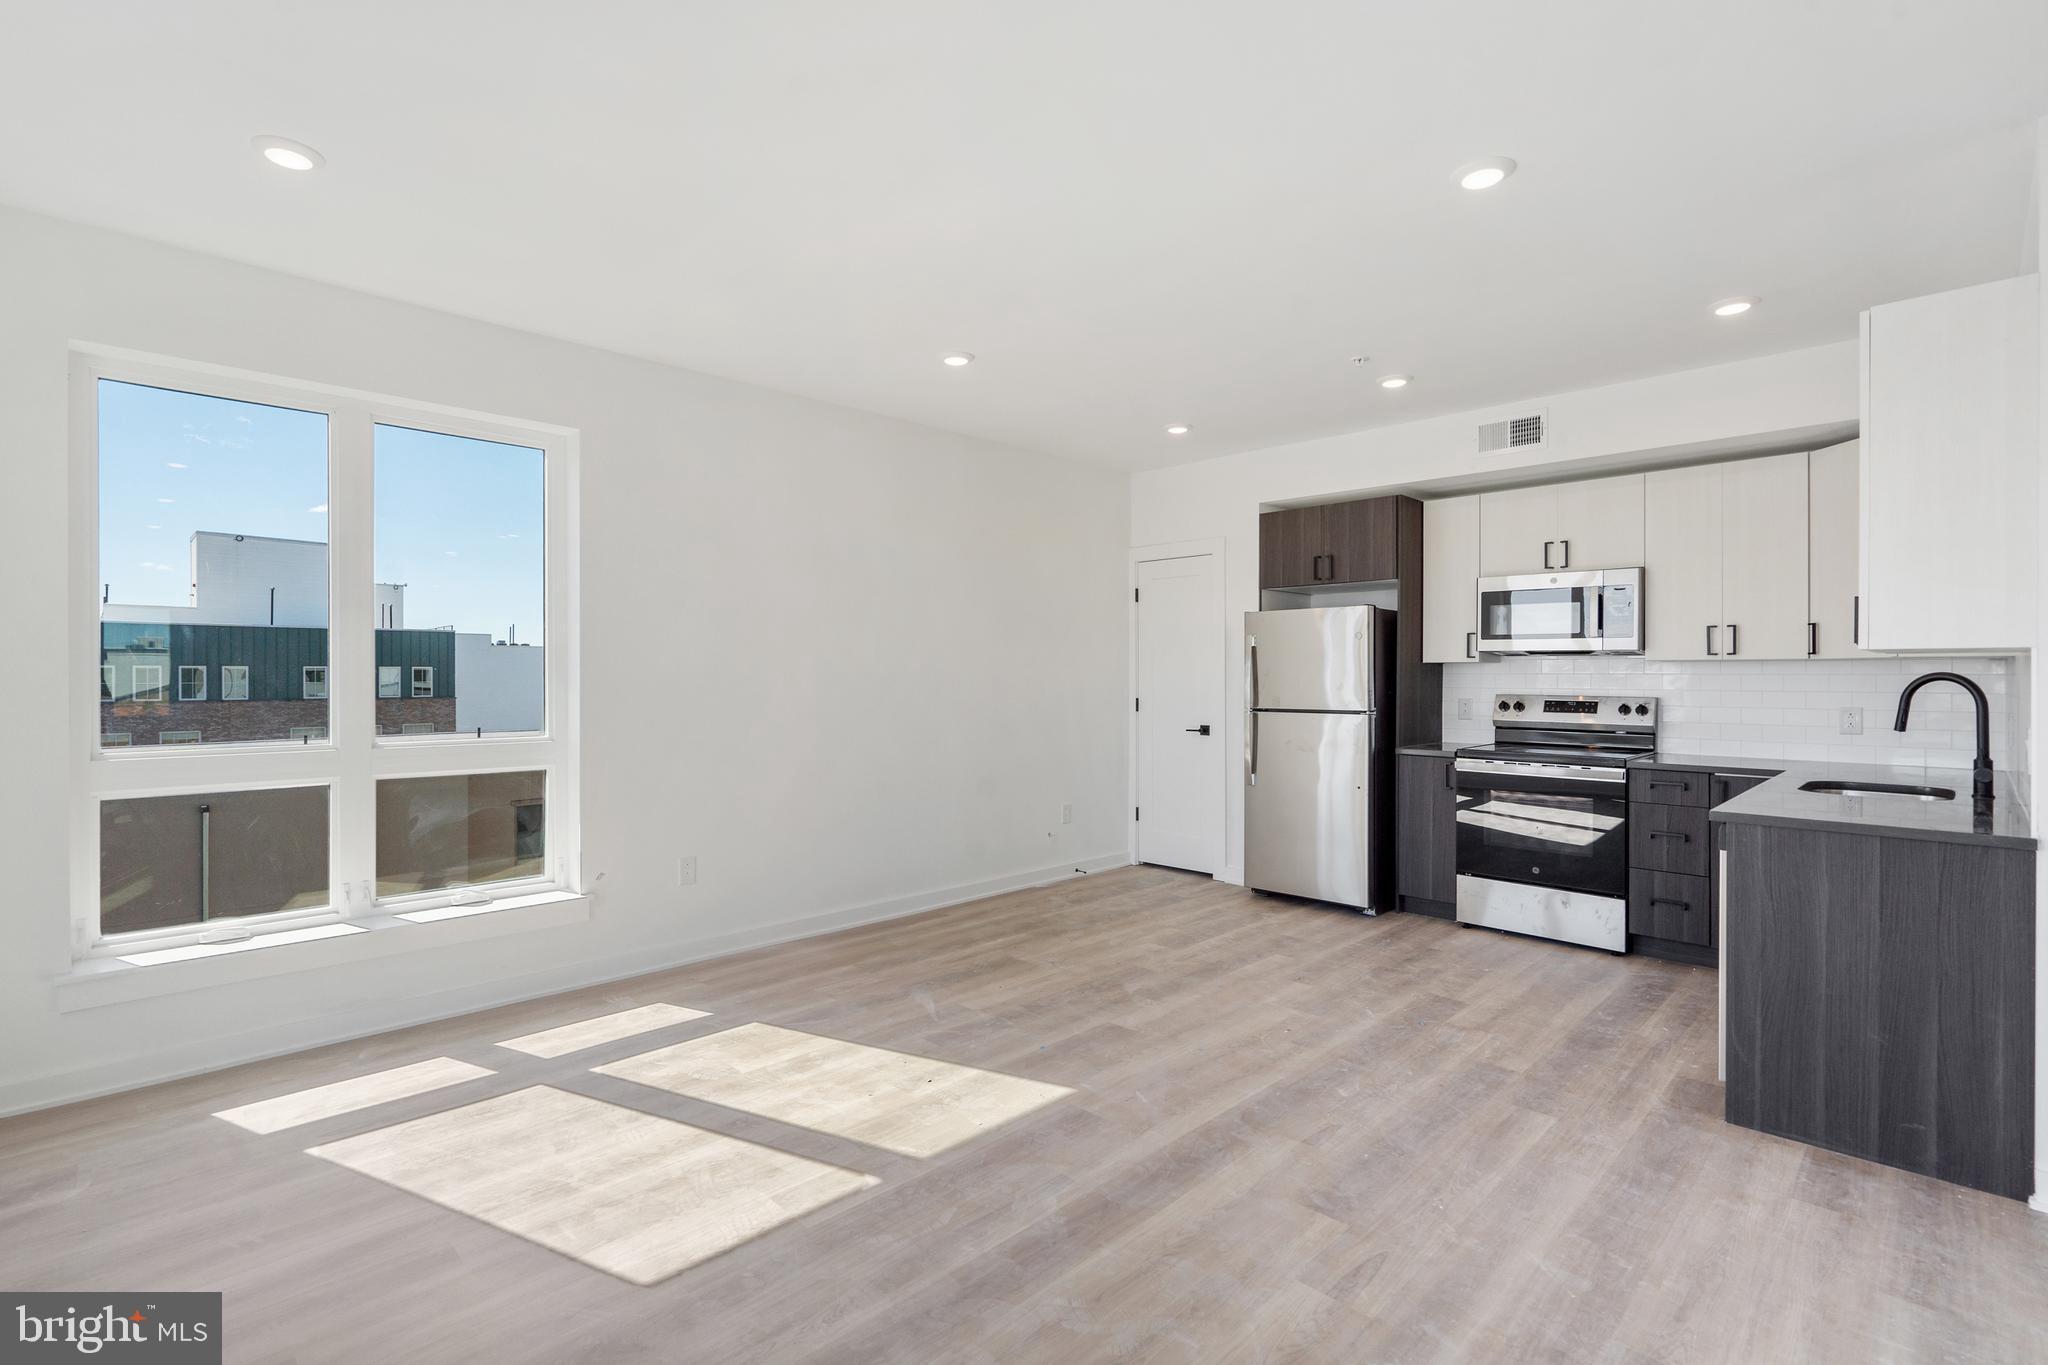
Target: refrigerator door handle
<point>1251,673</point>
<point>1251,748</point>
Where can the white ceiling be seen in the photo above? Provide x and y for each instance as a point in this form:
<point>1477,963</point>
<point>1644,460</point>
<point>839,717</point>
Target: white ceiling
<point>1133,211</point>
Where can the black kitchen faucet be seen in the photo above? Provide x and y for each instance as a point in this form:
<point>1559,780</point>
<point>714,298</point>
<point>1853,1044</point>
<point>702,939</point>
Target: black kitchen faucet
<point>1980,772</point>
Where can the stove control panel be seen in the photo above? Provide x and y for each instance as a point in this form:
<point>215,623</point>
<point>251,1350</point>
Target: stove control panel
<point>1551,711</point>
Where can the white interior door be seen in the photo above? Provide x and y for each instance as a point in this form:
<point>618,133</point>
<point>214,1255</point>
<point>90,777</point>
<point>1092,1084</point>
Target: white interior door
<point>1180,651</point>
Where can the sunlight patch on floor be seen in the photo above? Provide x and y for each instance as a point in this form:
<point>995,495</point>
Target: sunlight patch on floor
<point>632,1194</point>
<point>605,1028</point>
<point>360,1092</point>
<point>894,1100</point>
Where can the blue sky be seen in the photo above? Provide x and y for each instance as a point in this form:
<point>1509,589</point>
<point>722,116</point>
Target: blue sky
<point>459,521</point>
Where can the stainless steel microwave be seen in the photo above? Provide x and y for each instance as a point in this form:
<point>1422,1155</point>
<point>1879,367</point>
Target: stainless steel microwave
<point>1595,611</point>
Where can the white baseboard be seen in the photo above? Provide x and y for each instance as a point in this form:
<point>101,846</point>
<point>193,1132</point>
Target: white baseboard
<point>277,1040</point>
<point>1231,873</point>
<point>2038,1202</point>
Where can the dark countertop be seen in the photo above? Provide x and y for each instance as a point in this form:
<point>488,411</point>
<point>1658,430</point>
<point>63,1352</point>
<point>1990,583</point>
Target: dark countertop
<point>1710,763</point>
<point>1780,802</point>
<point>1442,749</point>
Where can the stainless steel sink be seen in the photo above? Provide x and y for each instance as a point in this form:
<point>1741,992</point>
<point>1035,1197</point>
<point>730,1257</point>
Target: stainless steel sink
<point>1879,789</point>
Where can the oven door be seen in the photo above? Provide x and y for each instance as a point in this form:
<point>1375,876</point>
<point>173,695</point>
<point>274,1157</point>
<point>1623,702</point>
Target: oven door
<point>1544,825</point>
<point>1542,613</point>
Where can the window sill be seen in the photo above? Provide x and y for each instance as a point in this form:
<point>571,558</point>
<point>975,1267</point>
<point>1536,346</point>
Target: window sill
<point>94,982</point>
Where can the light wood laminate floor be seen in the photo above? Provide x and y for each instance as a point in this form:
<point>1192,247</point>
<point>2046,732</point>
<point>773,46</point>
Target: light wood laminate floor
<point>1294,1134</point>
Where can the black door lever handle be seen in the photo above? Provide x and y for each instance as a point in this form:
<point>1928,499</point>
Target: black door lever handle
<point>1198,729</point>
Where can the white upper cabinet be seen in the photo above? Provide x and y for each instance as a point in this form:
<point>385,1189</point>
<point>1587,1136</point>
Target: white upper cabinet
<point>1726,576</point>
<point>1832,575</point>
<point>1591,524</point>
<point>1516,528</point>
<point>1763,558</point>
<point>1682,571</point>
<point>1951,447</point>
<point>1450,567</point>
<point>1600,523</point>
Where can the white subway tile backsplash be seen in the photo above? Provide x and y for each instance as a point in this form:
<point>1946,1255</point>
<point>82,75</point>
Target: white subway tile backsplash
<point>1785,709</point>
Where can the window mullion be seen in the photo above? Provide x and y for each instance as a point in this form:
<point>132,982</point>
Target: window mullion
<point>352,654</point>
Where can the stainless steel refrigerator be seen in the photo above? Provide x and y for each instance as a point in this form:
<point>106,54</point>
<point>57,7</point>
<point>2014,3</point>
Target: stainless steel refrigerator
<point>1319,754</point>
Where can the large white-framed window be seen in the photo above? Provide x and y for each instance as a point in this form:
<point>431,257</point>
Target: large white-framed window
<point>394,804</point>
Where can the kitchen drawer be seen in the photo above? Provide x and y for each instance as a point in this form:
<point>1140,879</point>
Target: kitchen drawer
<point>1668,838</point>
<point>1671,906</point>
<point>1668,786</point>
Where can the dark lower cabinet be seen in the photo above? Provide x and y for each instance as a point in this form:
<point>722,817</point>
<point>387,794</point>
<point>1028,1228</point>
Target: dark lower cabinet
<point>1426,835</point>
<point>1671,906</point>
<point>1880,999</point>
<point>1671,879</point>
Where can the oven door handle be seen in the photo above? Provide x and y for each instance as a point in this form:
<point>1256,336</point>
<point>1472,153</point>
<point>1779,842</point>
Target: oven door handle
<point>1483,775</point>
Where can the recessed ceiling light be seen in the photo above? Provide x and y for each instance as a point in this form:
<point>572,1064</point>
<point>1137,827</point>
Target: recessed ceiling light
<point>1395,381</point>
<point>1485,174</point>
<point>959,358</point>
<point>1177,429</point>
<point>292,156</point>
<point>1741,303</point>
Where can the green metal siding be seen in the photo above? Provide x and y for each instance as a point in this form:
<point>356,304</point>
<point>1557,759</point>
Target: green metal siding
<point>276,655</point>
<point>434,648</point>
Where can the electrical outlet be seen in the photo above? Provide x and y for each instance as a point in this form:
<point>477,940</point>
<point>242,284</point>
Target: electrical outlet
<point>1852,720</point>
<point>1067,814</point>
<point>686,871</point>
<point>1464,708</point>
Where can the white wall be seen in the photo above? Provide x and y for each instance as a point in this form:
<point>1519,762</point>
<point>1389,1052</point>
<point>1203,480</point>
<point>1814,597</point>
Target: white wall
<point>504,687</point>
<point>1782,709</point>
<point>1699,411</point>
<point>892,653</point>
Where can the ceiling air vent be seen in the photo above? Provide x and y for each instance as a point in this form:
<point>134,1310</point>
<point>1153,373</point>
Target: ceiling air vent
<point>1527,432</point>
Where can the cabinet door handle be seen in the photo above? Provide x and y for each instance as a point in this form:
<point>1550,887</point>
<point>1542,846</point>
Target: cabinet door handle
<point>1856,619</point>
<point>1677,834</point>
<point>1564,554</point>
<point>1710,640</point>
<point>1731,642</point>
<point>1546,554</point>
<point>1471,644</point>
<point>1813,637</point>
<point>1451,776</point>
<point>1660,782</point>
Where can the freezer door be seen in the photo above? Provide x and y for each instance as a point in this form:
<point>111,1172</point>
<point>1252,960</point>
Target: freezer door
<point>1308,805</point>
<point>1313,659</point>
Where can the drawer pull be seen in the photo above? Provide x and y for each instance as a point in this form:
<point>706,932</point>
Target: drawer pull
<point>1677,834</point>
<point>1666,900</point>
<point>1664,782</point>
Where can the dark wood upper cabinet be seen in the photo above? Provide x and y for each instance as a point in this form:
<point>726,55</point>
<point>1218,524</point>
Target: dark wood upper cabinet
<point>1343,542</point>
<point>1360,539</point>
<point>1292,552</point>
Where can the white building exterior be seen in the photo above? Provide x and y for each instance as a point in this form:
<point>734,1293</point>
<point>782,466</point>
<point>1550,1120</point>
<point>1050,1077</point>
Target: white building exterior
<point>499,687</point>
<point>257,581</point>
